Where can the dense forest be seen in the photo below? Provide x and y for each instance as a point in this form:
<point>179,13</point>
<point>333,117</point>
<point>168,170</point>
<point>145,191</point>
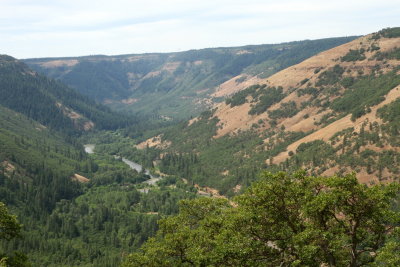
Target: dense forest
<point>75,209</point>
<point>66,222</point>
<point>50,102</point>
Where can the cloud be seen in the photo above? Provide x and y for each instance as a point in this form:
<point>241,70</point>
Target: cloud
<point>65,28</point>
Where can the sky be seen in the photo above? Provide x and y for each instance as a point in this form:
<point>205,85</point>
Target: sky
<point>61,28</point>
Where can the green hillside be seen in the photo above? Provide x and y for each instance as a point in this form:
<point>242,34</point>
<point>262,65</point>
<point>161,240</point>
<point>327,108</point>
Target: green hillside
<point>70,223</point>
<point>76,209</point>
<point>34,147</point>
<point>50,102</point>
<point>36,168</point>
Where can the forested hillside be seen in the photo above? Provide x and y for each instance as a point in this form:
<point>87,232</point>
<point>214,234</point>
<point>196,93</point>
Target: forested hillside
<point>335,112</point>
<point>175,85</point>
<point>36,169</point>
<point>75,209</point>
<point>51,103</point>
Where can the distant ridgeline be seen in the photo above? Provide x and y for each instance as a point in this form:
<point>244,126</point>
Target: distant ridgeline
<point>176,85</point>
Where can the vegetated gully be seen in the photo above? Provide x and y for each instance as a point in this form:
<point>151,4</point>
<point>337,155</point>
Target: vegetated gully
<point>89,148</point>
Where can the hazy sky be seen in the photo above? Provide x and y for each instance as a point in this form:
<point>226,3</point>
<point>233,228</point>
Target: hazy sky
<point>48,28</point>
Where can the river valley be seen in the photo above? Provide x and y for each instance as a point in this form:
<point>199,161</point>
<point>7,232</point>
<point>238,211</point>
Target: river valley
<point>89,148</point>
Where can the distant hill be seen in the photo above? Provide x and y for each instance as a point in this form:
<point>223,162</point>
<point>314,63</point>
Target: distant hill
<point>174,85</point>
<point>50,102</point>
<point>335,112</point>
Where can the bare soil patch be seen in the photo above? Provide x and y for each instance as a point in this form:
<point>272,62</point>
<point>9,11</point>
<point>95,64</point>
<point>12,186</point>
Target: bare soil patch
<point>154,142</point>
<point>59,63</point>
<point>80,178</point>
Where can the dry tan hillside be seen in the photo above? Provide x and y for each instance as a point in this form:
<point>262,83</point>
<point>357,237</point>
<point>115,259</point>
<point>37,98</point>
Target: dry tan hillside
<point>233,119</point>
<point>309,92</point>
<point>292,76</point>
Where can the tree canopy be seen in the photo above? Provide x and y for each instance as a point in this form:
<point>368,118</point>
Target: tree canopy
<point>9,229</point>
<point>282,220</point>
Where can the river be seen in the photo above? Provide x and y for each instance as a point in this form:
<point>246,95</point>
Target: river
<point>89,148</point>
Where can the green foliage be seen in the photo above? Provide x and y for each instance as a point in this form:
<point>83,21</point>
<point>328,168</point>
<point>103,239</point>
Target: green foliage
<point>37,97</point>
<point>106,221</point>
<point>102,75</point>
<point>10,229</point>
<point>286,110</point>
<point>304,81</point>
<point>392,54</point>
<point>389,255</point>
<point>290,220</point>
<point>346,131</point>
<point>240,97</point>
<point>265,98</point>
<point>390,32</point>
<point>390,114</point>
<point>201,161</point>
<point>67,223</point>
<point>308,91</point>
<point>354,55</point>
<point>70,224</point>
<point>317,70</point>
<point>366,92</point>
<point>186,239</point>
<point>35,148</point>
<point>374,47</point>
<point>35,169</point>
<point>346,82</point>
<point>331,76</point>
<point>316,152</point>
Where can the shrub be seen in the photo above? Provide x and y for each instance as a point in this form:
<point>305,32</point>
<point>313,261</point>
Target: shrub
<point>267,98</point>
<point>330,76</point>
<point>354,55</point>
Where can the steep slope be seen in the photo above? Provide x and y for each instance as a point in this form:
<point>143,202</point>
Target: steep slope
<point>315,76</point>
<point>332,113</point>
<point>36,169</point>
<point>43,181</point>
<point>174,84</point>
<point>76,209</point>
<point>33,147</point>
<point>50,102</point>
<point>68,219</point>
